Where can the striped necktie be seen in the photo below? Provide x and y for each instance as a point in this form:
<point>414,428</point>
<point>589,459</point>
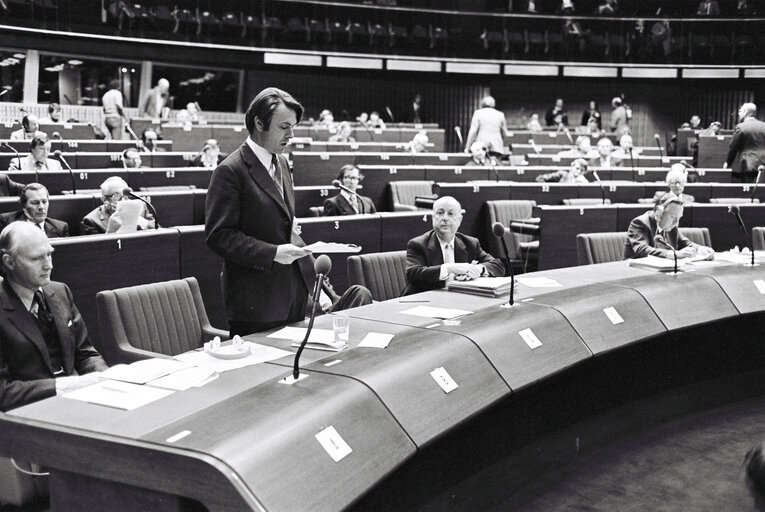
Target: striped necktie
<point>276,175</point>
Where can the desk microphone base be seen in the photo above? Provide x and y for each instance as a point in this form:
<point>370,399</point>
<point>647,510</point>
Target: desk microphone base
<point>292,380</point>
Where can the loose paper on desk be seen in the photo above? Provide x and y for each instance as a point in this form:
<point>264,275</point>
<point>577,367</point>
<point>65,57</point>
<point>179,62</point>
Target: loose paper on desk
<point>193,376</point>
<point>538,282</point>
<point>298,333</point>
<point>431,312</point>
<point>258,354</point>
<point>121,395</point>
<point>128,212</point>
<point>141,372</point>
<point>376,340</point>
<point>332,248</point>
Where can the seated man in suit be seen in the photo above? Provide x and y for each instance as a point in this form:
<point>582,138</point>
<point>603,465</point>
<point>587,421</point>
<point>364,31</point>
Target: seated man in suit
<point>209,156</point>
<point>131,158</point>
<point>37,159</point>
<point>676,179</point>
<point>442,253</point>
<point>345,203</point>
<point>35,200</point>
<point>102,219</point>
<point>655,233</point>
<point>149,140</point>
<point>29,126</point>
<point>44,345</point>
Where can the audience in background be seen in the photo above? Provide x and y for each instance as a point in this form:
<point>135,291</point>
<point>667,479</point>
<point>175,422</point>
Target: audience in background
<point>417,115</point>
<point>326,119</point>
<point>624,154</point>
<point>112,107</point>
<point>488,126</point>
<point>34,199</point>
<point>608,8</point>
<point>480,157</point>
<point>363,119</point>
<point>54,114</point>
<point>155,100</point>
<point>582,149</point>
<point>534,125</point>
<point>103,218</point>
<point>695,122</point>
<point>375,121</point>
<point>418,144</point>
<point>708,8</point>
<point>345,203</point>
<point>36,308</point>
<point>574,174</point>
<point>676,179</point>
<point>343,134</point>
<point>619,121</point>
<point>131,158</point>
<point>747,144</point>
<point>37,159</point>
<point>210,155</point>
<point>149,140</point>
<point>603,159</point>
<point>557,115</point>
<point>592,112</point>
<point>656,233</point>
<point>30,124</point>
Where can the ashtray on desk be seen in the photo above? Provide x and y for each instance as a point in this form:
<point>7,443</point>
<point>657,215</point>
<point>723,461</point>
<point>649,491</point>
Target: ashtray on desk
<point>229,352</point>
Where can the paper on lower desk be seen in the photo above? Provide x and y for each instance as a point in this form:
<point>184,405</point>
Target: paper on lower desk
<point>538,282</point>
<point>332,248</point>
<point>376,340</point>
<point>193,376</point>
<point>431,312</point>
<point>258,354</point>
<point>298,333</point>
<point>121,395</point>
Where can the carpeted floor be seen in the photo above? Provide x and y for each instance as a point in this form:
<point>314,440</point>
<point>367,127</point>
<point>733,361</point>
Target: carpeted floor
<point>694,463</point>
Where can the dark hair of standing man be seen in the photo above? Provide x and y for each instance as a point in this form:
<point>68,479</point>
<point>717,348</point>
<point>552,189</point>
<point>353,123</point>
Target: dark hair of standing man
<point>265,103</point>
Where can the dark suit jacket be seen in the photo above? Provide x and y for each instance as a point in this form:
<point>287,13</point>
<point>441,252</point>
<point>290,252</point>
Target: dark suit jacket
<point>749,143</point>
<point>640,238</point>
<point>246,219</point>
<point>424,259</point>
<point>26,374</point>
<point>8,187</point>
<point>53,228</point>
<point>339,205</point>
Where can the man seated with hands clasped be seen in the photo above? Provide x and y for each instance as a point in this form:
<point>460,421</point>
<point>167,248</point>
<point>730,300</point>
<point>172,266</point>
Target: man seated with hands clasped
<point>44,345</point>
<point>443,253</point>
<point>655,233</point>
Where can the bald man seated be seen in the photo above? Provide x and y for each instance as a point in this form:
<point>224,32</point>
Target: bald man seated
<point>442,253</point>
<point>44,344</point>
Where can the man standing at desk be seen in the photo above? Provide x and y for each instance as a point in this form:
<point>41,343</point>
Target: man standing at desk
<point>655,233</point>
<point>249,222</point>
<point>44,345</point>
<point>748,143</point>
<point>442,253</point>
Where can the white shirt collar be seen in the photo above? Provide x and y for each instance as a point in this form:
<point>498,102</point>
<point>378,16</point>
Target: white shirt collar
<point>25,294</point>
<point>444,244</point>
<point>263,154</point>
<point>347,196</point>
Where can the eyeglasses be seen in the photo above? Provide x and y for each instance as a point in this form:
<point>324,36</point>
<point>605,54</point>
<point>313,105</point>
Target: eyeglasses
<point>352,178</point>
<point>114,197</point>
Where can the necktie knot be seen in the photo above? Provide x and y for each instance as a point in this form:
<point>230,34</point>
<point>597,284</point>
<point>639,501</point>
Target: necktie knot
<point>39,308</point>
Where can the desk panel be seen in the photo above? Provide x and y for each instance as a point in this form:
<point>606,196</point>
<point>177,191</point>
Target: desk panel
<point>559,226</point>
<point>169,159</point>
<point>723,227</point>
<point>318,168</point>
<point>71,209</point>
<point>376,179</point>
<point>738,282</point>
<point>397,228</point>
<point>458,174</point>
<point>521,174</point>
<point>125,260</point>
<point>174,208</point>
<point>266,434</point>
<point>187,138</point>
<point>362,230</point>
<point>544,193</point>
<point>80,161</point>
<point>386,159</point>
<point>738,190</point>
<point>189,177</point>
<point>308,196</point>
<point>682,300</point>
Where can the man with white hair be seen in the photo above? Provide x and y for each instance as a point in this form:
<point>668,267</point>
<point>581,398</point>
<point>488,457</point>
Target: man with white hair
<point>44,345</point>
<point>747,144</point>
<point>676,179</point>
<point>102,219</point>
<point>442,253</point>
<point>154,100</point>
<point>488,125</point>
<point>619,121</point>
<point>419,143</point>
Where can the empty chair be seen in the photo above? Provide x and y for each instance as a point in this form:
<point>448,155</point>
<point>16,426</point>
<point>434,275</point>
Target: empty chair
<point>697,235</point>
<point>404,193</point>
<point>152,320</point>
<point>383,273</point>
<point>316,211</point>
<point>520,246</point>
<point>599,247</point>
<point>758,238</point>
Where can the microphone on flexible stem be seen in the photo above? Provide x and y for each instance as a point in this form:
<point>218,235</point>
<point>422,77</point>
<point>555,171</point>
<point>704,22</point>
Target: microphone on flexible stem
<point>127,191</point>
<point>735,210</point>
<point>661,240</point>
<point>499,231</point>
<point>760,168</point>
<point>370,132</point>
<point>632,163</point>
<point>568,135</point>
<point>534,146</point>
<point>60,156</point>
<point>337,184</point>
<point>18,158</point>
<point>602,189</point>
<point>458,131</point>
<point>658,144</point>
<point>390,113</point>
<point>322,267</point>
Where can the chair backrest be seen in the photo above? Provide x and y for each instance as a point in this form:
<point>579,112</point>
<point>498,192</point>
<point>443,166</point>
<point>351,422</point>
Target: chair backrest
<point>404,192</point>
<point>758,238</point>
<point>600,247</point>
<point>506,211</point>
<point>383,273</point>
<point>697,235</point>
<point>316,211</point>
<point>17,488</point>
<point>733,200</point>
<point>583,201</point>
<point>158,318</point>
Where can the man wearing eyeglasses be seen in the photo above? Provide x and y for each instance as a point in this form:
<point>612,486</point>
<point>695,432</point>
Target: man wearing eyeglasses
<point>346,203</point>
<point>102,219</point>
<point>442,253</point>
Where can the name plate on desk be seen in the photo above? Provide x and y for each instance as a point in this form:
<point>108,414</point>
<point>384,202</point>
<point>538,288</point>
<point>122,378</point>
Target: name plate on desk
<point>442,377</point>
<point>613,315</point>
<point>333,443</point>
<point>760,284</point>
<point>530,338</point>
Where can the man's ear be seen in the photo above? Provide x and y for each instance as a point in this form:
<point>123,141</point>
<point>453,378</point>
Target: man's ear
<point>7,261</point>
<point>258,125</point>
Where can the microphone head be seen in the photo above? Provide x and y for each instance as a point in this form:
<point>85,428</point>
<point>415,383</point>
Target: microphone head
<point>457,129</point>
<point>734,209</point>
<point>56,134</point>
<point>595,175</point>
<point>499,229</point>
<point>127,191</point>
<point>336,183</point>
<point>760,168</point>
<point>323,264</point>
<point>656,136</point>
<point>57,153</point>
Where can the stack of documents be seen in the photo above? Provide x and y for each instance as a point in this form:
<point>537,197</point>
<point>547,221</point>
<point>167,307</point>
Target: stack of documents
<point>320,339</point>
<point>485,286</point>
